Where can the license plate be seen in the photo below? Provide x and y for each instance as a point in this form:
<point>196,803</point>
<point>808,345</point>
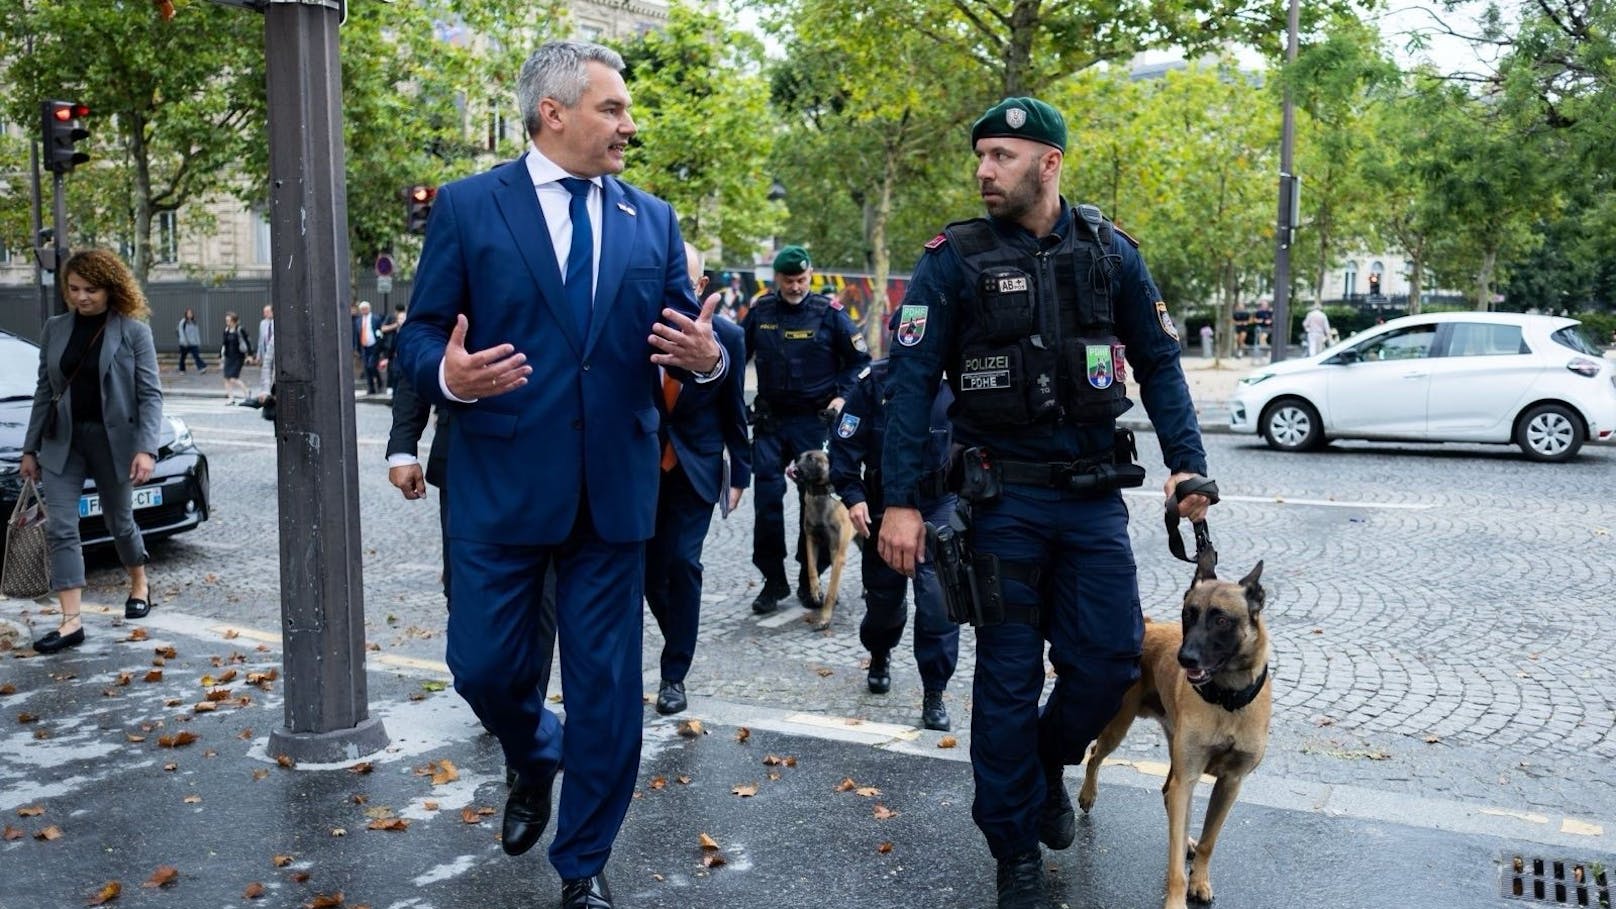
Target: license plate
<point>147,497</point>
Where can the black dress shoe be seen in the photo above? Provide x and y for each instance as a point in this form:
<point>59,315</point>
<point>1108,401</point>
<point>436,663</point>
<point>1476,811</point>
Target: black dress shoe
<point>137,608</point>
<point>768,599</point>
<point>1021,882</point>
<point>1057,822</point>
<point>586,893</point>
<point>933,715</point>
<point>670,698</point>
<point>879,678</point>
<point>527,813</point>
<point>56,641</point>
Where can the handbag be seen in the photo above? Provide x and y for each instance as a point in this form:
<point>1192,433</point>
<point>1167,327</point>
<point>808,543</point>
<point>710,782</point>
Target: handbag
<point>27,565</point>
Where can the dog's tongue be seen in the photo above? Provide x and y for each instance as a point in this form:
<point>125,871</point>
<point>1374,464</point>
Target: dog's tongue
<point>1197,676</point>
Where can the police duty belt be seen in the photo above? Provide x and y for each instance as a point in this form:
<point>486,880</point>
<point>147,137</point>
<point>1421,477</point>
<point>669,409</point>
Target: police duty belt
<point>1206,556</point>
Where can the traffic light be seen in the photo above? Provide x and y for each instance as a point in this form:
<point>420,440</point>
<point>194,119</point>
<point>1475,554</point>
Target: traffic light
<point>418,200</point>
<point>63,129</point>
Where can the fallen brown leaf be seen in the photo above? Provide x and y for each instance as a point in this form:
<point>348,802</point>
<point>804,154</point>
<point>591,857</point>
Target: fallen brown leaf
<point>134,739</point>
<point>31,811</point>
<point>285,760</point>
<point>108,892</point>
<point>218,694</point>
<point>170,767</point>
<point>325,901</point>
<point>259,774</point>
<point>152,675</point>
<point>281,861</point>
<point>713,860</point>
<point>682,780</point>
<point>231,634</point>
<point>204,707</point>
<point>468,816</point>
<point>124,678</point>
<point>485,810</point>
<point>41,734</point>
<point>846,785</point>
<point>164,876</point>
<point>659,782</point>
<point>192,799</point>
<point>774,776</point>
<point>884,848</point>
<point>745,791</point>
<point>139,634</point>
<point>254,890</point>
<point>11,833</point>
<point>8,688</point>
<point>26,718</point>
<point>825,672</point>
<point>707,842</point>
<point>360,799</point>
<point>167,653</point>
<point>177,740</point>
<point>772,760</point>
<point>791,760</point>
<point>883,813</point>
<point>691,728</point>
<point>445,773</point>
<point>742,734</point>
<point>300,877</point>
<point>362,767</point>
<point>868,792</point>
<point>49,834</point>
<point>395,824</point>
<point>339,831</point>
<point>947,741</point>
<point>430,805</point>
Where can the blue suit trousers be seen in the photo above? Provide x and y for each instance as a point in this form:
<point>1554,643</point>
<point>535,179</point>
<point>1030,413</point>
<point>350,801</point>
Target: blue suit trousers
<point>1089,611</point>
<point>673,569</point>
<point>495,651</point>
<point>771,452</point>
<point>936,638</point>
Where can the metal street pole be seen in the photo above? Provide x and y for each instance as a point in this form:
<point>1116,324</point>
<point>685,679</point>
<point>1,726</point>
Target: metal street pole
<point>322,590</point>
<point>1279,336</point>
<point>39,229</point>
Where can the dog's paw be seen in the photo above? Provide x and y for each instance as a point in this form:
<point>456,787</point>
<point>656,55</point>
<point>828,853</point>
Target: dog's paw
<point>1086,795</point>
<point>1189,849</point>
<point>1200,890</point>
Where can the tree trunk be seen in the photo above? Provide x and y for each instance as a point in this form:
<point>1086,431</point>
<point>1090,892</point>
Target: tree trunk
<point>1484,281</point>
<point>875,320</point>
<point>140,157</point>
<point>1019,48</point>
<point>1416,278</point>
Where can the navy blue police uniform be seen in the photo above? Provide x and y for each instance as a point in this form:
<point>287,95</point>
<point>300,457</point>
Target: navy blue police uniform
<point>807,355</point>
<point>1035,335</point>
<point>855,471</point>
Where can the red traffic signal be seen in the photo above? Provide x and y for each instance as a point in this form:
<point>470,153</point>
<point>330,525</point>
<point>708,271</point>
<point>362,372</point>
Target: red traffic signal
<point>61,132</point>
<point>419,194</point>
<point>418,200</point>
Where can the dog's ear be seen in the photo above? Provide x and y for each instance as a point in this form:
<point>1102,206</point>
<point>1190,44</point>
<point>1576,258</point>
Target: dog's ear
<point>1255,596</point>
<point>1205,570</point>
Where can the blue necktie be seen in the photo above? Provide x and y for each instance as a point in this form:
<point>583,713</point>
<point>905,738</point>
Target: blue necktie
<point>581,258</point>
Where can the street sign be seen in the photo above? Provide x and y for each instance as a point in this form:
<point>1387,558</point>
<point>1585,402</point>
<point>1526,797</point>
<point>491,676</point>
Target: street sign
<point>384,285</point>
<point>384,266</point>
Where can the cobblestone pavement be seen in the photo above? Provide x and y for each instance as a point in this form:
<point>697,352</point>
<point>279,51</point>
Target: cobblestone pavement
<point>1440,615</point>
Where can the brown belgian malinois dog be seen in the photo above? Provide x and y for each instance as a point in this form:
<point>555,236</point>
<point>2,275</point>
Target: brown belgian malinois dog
<point>1206,681</point>
<point>824,523</point>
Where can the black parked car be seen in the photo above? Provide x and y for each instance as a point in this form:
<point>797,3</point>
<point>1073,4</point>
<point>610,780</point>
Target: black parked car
<point>174,500</point>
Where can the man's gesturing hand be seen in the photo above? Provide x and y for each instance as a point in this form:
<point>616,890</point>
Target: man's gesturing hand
<point>903,539</point>
<point>483,374</point>
<point>687,343</point>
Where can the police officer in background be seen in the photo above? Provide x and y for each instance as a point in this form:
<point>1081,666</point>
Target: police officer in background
<point>808,353</point>
<point>1030,312</point>
<point>855,471</point>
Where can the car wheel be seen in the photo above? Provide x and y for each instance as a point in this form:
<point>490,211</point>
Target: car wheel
<point>1292,424</point>
<point>1549,432</point>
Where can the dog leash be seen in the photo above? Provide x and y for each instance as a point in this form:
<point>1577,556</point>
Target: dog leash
<point>1206,555</point>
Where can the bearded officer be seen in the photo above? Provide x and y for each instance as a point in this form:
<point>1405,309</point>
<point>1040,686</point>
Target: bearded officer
<point>808,355</point>
<point>1034,313</point>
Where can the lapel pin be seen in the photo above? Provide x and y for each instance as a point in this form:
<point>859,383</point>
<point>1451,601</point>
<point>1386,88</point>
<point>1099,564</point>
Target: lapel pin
<point>626,208</point>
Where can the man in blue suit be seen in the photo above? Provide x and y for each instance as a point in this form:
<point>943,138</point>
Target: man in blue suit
<point>548,297</point>
<point>696,437</point>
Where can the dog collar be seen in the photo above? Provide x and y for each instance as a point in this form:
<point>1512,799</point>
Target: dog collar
<point>1228,698</point>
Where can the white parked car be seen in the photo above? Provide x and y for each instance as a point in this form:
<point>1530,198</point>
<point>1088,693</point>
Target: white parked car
<point>1536,381</point>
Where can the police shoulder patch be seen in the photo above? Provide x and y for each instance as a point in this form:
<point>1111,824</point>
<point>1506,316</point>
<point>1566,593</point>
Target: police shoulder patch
<point>911,324</point>
<point>1166,320</point>
<point>835,303</point>
<point>858,342</point>
<point>1126,236</point>
<point>937,241</point>
<point>849,424</point>
<point>864,374</point>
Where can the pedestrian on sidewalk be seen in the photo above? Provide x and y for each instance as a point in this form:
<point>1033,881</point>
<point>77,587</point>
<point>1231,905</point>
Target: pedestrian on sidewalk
<point>368,341</point>
<point>561,469</point>
<point>97,412</point>
<point>855,471</point>
<point>389,347</point>
<point>234,351</point>
<point>1042,465</point>
<point>1316,325</point>
<point>696,437</point>
<point>266,355</point>
<point>190,336</point>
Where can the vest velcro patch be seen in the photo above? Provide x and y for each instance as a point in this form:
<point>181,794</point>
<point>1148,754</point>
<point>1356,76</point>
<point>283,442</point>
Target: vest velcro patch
<point>1100,367</point>
<point>937,241</point>
<point>911,325</point>
<point>800,334</point>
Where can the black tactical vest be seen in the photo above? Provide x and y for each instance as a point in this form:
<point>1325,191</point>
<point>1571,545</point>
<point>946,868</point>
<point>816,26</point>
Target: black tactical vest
<point>796,350</point>
<point>1038,342</point>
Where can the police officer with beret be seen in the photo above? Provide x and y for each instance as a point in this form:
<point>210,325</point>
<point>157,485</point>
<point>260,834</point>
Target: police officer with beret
<point>808,353</point>
<point>855,471</point>
<point>1034,313</point>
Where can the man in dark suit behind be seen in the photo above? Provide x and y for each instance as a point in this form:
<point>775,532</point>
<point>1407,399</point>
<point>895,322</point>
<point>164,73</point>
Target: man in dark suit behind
<point>695,440</point>
<point>548,267</point>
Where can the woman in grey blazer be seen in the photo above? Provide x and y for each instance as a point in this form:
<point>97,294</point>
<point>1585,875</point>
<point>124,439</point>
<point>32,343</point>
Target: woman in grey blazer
<point>97,412</point>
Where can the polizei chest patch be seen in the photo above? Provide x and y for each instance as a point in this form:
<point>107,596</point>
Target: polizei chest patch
<point>985,373</point>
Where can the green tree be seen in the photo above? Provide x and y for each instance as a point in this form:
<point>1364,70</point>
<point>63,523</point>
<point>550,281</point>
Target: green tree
<point>706,134</point>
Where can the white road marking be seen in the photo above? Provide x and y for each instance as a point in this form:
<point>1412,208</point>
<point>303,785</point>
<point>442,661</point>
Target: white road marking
<point>1282,500</point>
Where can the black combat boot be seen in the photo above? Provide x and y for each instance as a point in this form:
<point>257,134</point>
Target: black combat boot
<point>933,715</point>
<point>879,678</point>
<point>1057,822</point>
<point>1021,881</point>
<point>768,599</point>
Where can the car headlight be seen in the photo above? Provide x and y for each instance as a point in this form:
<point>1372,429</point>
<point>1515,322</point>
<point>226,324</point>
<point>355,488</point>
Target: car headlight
<point>1255,378</point>
<point>182,434</point>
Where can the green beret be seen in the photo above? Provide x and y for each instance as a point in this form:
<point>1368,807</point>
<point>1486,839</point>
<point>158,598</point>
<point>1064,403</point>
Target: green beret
<point>793,260</point>
<point>1021,118</point>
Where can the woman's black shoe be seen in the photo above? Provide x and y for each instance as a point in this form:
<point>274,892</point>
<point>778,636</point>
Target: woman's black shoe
<point>56,641</point>
<point>137,608</point>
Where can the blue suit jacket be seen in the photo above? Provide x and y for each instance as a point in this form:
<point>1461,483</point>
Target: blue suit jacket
<point>584,427</point>
<point>703,430</point>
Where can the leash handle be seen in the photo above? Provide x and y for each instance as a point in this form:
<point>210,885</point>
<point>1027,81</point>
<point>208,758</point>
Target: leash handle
<point>1206,555</point>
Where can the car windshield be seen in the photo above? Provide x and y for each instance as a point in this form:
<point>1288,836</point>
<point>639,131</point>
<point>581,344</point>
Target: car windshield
<point>19,367</point>
<point>1574,337</point>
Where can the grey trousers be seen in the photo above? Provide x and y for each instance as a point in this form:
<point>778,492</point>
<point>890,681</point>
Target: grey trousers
<point>89,455</point>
